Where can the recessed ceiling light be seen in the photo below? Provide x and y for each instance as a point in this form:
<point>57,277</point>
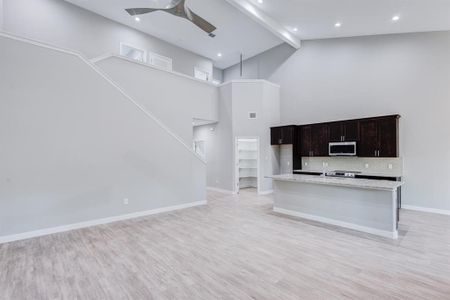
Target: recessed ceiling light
<point>137,19</point>
<point>260,1</point>
<point>338,24</point>
<point>295,29</point>
<point>395,18</point>
<point>219,54</point>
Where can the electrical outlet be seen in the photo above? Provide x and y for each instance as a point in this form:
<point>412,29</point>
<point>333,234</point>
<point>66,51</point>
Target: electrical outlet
<point>390,166</point>
<point>217,181</point>
<point>367,166</point>
<point>288,163</point>
<point>306,164</point>
<point>125,201</point>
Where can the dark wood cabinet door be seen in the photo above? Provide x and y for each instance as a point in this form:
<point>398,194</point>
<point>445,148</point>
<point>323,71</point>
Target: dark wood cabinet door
<point>335,131</point>
<point>368,144</point>
<point>297,149</point>
<point>350,131</point>
<point>275,135</point>
<point>387,137</point>
<point>287,135</point>
<point>319,140</point>
<point>305,139</point>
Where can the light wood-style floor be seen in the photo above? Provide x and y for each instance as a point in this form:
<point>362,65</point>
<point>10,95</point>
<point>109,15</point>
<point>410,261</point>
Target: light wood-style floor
<point>233,248</point>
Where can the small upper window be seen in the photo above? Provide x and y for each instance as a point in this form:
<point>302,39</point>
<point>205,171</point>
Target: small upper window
<point>201,74</point>
<point>160,61</point>
<point>132,52</point>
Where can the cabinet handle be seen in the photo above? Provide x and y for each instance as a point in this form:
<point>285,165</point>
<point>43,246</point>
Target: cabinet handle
<point>280,141</point>
<point>375,153</point>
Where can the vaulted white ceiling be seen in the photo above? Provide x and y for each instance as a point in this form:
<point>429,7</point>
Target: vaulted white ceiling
<point>236,33</point>
<point>315,19</point>
<point>251,27</point>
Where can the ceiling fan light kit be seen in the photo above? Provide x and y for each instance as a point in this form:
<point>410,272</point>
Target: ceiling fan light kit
<point>178,8</point>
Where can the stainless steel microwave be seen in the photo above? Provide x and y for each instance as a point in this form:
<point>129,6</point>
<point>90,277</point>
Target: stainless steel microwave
<point>342,149</point>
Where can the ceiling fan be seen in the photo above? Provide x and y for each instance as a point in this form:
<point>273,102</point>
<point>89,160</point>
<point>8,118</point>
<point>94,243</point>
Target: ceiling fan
<point>178,8</point>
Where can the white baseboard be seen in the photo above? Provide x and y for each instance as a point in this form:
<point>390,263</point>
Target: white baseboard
<point>63,228</point>
<point>210,188</point>
<point>383,233</point>
<point>426,209</point>
<point>268,192</point>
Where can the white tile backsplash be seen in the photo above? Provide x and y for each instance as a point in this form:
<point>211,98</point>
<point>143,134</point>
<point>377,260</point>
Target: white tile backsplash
<point>371,166</point>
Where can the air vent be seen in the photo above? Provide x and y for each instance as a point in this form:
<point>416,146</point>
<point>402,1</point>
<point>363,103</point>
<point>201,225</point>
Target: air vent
<point>252,115</point>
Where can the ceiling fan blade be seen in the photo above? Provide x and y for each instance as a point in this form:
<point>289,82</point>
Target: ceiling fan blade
<point>140,11</point>
<point>200,22</point>
<point>174,3</point>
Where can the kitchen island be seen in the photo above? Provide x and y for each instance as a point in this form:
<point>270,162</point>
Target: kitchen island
<point>361,204</point>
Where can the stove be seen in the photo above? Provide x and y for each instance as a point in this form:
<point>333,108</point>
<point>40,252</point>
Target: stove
<point>344,174</point>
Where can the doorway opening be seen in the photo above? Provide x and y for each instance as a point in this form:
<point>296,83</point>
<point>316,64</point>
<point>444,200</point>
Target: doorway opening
<point>247,164</point>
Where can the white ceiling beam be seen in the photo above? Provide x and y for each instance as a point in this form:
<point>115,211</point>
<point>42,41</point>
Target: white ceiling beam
<point>267,22</point>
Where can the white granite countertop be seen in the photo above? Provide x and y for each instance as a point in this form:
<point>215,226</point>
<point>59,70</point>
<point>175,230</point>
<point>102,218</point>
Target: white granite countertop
<point>375,174</point>
<point>372,184</point>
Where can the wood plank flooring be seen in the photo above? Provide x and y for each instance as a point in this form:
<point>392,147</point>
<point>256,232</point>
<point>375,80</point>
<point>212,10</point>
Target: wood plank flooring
<point>233,248</point>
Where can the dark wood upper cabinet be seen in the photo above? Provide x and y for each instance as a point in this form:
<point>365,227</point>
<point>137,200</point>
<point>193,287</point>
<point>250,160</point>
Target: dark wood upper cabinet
<point>288,134</point>
<point>388,137</point>
<point>314,140</point>
<point>335,131</point>
<point>283,135</point>
<point>275,135</point>
<point>368,144</point>
<point>305,138</point>
<point>375,137</point>
<point>345,131</point>
<point>319,140</point>
<point>379,137</point>
<point>350,131</point>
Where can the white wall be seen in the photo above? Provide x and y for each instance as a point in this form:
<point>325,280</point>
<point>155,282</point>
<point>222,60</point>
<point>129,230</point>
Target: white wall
<point>219,144</point>
<point>73,147</point>
<point>174,99</point>
<point>218,74</point>
<point>1,14</point>
<point>237,99</point>
<point>407,74</point>
<point>261,66</point>
<point>62,24</point>
<point>264,99</point>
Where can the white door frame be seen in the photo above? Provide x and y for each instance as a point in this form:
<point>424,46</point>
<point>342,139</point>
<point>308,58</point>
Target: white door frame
<point>236,162</point>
